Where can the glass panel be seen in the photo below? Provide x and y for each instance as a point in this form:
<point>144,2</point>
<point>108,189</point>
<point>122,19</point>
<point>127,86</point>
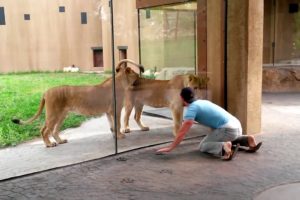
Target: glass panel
<point>167,38</point>
<point>269,33</point>
<point>287,32</point>
<point>281,53</point>
<point>52,50</point>
<point>77,48</point>
<point>281,32</point>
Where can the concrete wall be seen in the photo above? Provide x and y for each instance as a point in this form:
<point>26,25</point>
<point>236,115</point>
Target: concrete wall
<point>50,40</point>
<point>281,79</point>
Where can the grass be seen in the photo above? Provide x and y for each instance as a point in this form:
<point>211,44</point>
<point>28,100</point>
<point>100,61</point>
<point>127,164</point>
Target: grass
<point>20,96</point>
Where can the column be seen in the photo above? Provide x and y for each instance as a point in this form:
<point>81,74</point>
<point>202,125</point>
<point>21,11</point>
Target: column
<point>244,62</point>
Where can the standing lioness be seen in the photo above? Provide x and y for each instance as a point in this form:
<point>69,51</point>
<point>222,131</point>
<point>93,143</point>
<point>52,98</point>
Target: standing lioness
<point>85,100</point>
<point>158,94</point>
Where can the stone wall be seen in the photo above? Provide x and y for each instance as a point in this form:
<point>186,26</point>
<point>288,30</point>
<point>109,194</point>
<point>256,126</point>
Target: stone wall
<point>281,79</point>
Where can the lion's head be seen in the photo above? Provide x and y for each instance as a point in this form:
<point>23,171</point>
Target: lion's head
<point>198,83</point>
<point>128,74</point>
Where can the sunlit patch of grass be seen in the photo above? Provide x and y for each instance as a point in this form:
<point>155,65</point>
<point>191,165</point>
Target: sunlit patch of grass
<point>20,95</point>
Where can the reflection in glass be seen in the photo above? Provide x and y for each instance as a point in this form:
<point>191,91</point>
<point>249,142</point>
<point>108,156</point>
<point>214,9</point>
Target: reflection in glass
<point>281,48</point>
<point>168,40</point>
<point>281,33</point>
<point>167,48</point>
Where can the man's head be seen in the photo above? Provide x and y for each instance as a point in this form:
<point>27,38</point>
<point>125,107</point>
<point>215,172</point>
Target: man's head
<point>187,94</point>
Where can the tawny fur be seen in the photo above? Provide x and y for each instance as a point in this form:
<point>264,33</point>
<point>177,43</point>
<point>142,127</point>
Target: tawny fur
<point>85,100</point>
<point>160,93</point>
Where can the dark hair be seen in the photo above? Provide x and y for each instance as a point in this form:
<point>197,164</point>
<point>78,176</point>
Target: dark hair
<point>187,94</point>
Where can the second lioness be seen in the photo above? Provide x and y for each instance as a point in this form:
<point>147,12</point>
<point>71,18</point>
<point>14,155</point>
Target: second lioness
<point>85,100</point>
<point>158,94</point>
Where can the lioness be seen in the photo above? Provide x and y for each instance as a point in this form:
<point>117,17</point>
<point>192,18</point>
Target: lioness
<point>85,100</point>
<point>158,94</point>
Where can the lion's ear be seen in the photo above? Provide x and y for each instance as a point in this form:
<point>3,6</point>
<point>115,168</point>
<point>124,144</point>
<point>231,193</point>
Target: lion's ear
<point>118,69</point>
<point>191,77</point>
<point>203,80</point>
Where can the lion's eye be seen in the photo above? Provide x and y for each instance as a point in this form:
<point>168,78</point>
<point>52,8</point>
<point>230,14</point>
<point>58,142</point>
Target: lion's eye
<point>195,88</point>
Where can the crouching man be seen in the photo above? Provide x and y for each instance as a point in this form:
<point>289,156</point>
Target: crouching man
<point>226,137</point>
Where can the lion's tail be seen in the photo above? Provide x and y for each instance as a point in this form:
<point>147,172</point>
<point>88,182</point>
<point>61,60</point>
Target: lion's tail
<point>37,114</point>
<point>140,67</point>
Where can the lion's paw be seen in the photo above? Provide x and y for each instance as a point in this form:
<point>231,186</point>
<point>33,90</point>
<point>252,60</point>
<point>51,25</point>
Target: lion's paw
<point>52,144</point>
<point>63,141</point>
<point>120,136</point>
<point>145,128</point>
<point>127,130</point>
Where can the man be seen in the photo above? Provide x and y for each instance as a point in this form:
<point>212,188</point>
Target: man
<point>226,137</point>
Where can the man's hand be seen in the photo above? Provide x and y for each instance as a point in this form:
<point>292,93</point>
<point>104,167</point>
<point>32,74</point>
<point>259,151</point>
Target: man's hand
<point>182,131</point>
<point>164,150</point>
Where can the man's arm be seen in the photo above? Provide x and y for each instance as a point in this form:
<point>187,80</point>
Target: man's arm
<point>185,127</point>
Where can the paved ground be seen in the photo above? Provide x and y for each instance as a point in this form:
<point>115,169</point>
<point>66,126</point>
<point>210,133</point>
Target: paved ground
<point>90,141</point>
<point>184,173</point>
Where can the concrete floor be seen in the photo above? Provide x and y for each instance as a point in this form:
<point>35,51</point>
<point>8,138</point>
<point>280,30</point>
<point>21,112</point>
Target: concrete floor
<point>183,174</point>
<point>92,140</point>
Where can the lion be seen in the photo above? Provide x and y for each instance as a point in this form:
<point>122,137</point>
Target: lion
<point>85,100</point>
<point>158,94</point>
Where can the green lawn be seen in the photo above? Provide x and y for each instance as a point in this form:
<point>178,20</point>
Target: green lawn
<point>20,96</point>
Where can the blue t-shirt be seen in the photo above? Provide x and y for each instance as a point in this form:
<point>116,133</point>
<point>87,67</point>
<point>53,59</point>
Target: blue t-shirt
<point>207,113</point>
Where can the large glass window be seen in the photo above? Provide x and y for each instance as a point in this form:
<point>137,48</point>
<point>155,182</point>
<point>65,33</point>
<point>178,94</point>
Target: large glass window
<point>37,61</point>
<point>168,40</point>
<point>74,69</point>
<point>281,33</point>
<point>281,49</point>
<point>167,47</point>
